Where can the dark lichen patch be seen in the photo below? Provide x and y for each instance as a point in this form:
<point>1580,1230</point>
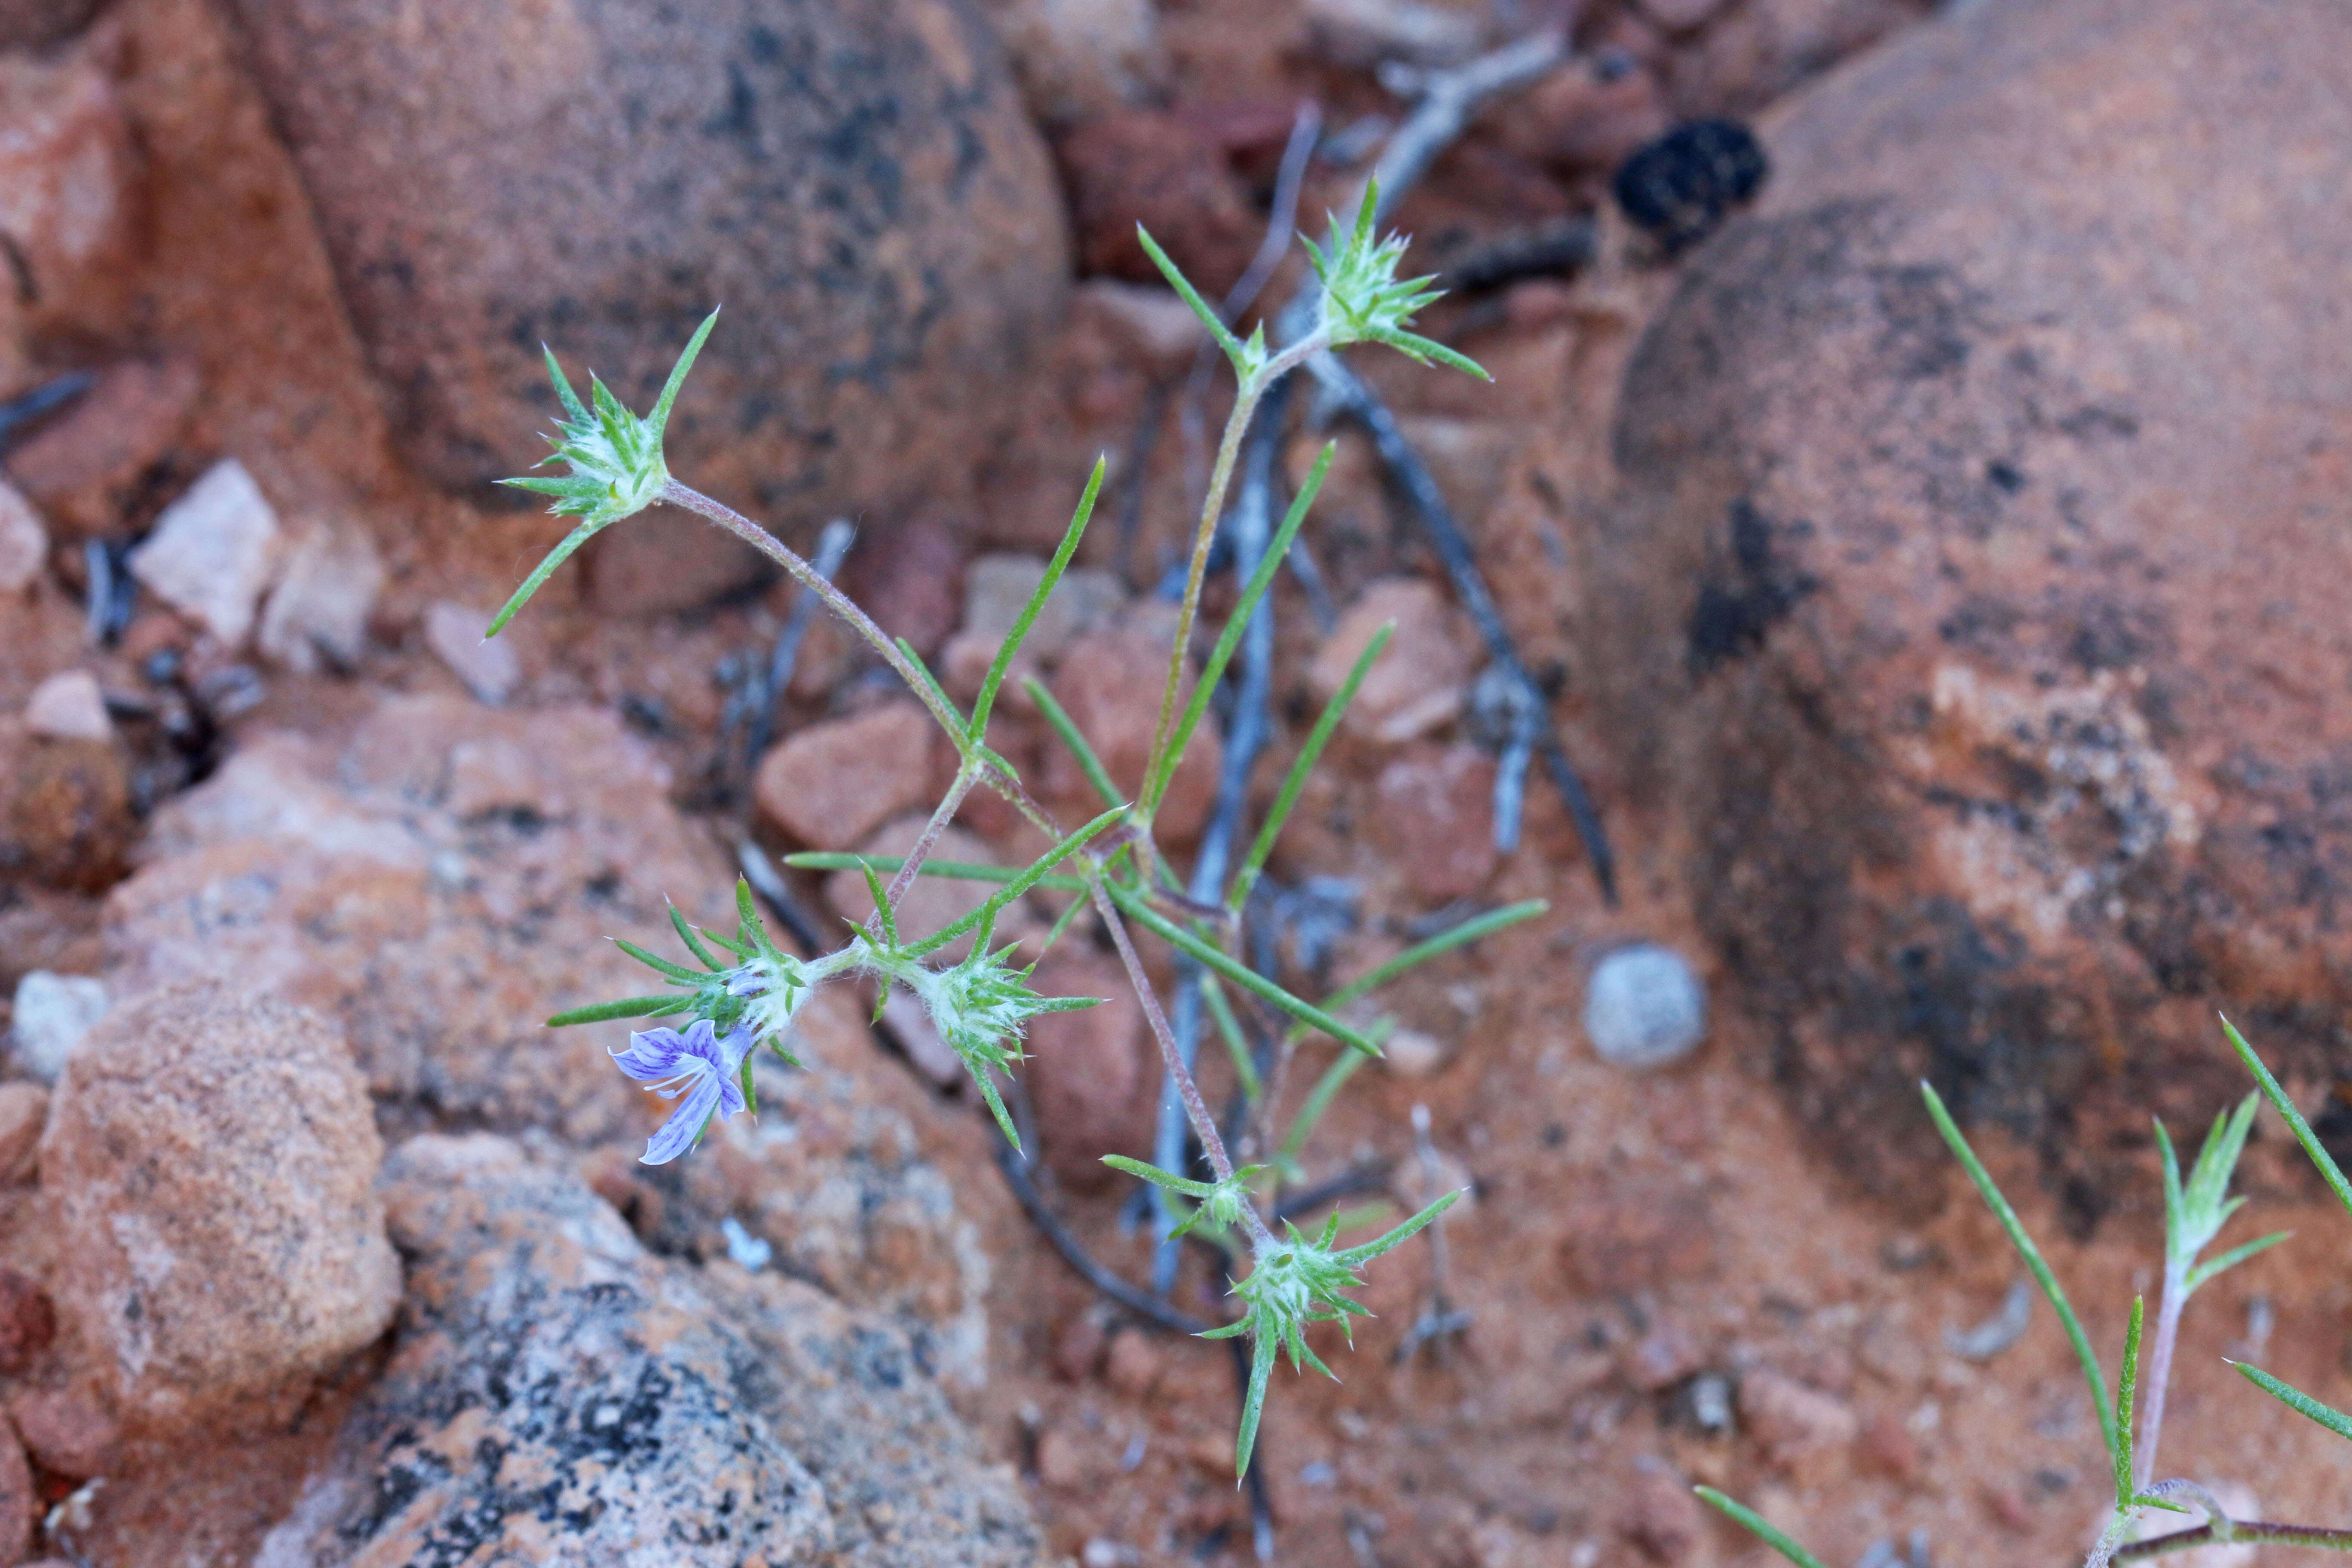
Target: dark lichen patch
<point>1755,589</point>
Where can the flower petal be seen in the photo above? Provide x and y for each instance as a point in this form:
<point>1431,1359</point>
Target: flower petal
<point>701,1040</point>
<point>677,1135</point>
<point>653,1055</point>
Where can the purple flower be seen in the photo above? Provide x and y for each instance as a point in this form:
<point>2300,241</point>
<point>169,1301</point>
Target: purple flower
<point>696,1063</point>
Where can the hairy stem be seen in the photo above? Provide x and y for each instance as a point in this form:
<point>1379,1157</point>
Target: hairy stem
<point>2158,1375</point>
<point>833,598</point>
<point>2242,1531</point>
<point>966,777</point>
<point>1212,507</point>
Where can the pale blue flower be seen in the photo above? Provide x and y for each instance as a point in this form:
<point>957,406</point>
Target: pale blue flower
<point>701,1064</point>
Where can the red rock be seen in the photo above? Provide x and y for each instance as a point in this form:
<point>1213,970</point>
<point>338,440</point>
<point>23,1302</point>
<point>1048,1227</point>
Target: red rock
<point>28,1321</point>
<point>668,561</point>
<point>1149,167</point>
<point>1433,818</point>
<point>1088,1073</point>
<point>1804,1431</point>
<point>909,578</point>
<point>1965,609</point>
<point>1134,1365</point>
<point>1664,1356</point>
<point>1582,118</point>
<point>832,785</point>
<point>1760,51</point>
<point>20,1504</point>
<point>37,24</point>
<point>1064,1462</point>
<point>1888,1447</point>
<point>857,183</point>
<point>1080,58</point>
<point>216,1155</point>
<point>1416,684</point>
<point>85,466</point>
<point>1111,682</point>
<point>65,809</point>
<point>69,1432</point>
<point>24,1110</point>
<point>1078,1348</point>
<point>1641,1231</point>
<point>68,192</point>
<point>1659,1514</point>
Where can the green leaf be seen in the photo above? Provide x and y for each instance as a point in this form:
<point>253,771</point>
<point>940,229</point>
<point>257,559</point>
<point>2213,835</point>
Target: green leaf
<point>545,568</point>
<point>2125,1386</point>
<point>961,730</point>
<point>1158,1177</point>
<point>628,1007</point>
<point>2294,1399</point>
<point>1420,350</point>
<point>1318,1100</point>
<point>1036,605</point>
<point>2032,1255</point>
<point>1229,639</point>
<point>1229,1029</point>
<point>659,966</point>
<point>1356,1256</point>
<point>1444,942</point>
<point>659,418</point>
<point>1252,1400</point>
<point>1191,296</point>
<point>2303,1135</point>
<point>2231,1259</point>
<point>1759,1526</point>
<point>1241,974</point>
<point>881,896</point>
<point>685,934</point>
<point>1295,780</point>
<point>1021,882</point>
<point>1067,728</point>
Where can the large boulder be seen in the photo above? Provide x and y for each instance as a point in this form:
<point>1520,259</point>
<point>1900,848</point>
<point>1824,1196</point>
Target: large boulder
<point>1982,600</point>
<point>213,1156</point>
<point>557,1394</point>
<point>857,183</point>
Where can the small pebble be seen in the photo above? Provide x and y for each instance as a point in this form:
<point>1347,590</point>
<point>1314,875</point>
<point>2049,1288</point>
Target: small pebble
<point>53,1012</point>
<point>68,706</point>
<point>1644,1007</point>
<point>488,668</point>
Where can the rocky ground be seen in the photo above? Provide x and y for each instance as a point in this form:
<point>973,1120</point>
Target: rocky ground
<point>1938,570</point>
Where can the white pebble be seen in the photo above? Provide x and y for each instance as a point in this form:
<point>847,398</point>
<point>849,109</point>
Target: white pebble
<point>213,552</point>
<point>53,1012</point>
<point>1644,1007</point>
<point>68,706</point>
<point>489,667</point>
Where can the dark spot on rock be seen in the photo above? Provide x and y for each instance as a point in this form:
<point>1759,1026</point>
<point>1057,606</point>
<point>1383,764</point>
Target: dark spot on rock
<point>1681,186</point>
<point>2004,477</point>
<point>1736,609</point>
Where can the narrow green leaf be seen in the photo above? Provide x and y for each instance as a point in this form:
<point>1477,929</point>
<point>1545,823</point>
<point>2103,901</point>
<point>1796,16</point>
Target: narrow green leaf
<point>2231,1259</point>
<point>1021,882</point>
<point>1036,605</point>
<point>1241,974</point>
<point>2032,1255</point>
<point>659,418</point>
<point>659,965</point>
<point>2303,1135</point>
<point>1067,728</point>
<point>541,574</point>
<point>685,934</point>
<point>881,901</point>
<point>1063,921</point>
<point>1295,780</point>
<point>1254,1400</point>
<point>2294,1399</point>
<point>1191,296</point>
<point>946,870</point>
<point>1397,1238</point>
<point>988,1091</point>
<point>628,1007</point>
<point>569,398</point>
<point>962,730</point>
<point>1158,1177</point>
<point>1229,639</point>
<point>2126,1386</point>
<point>751,1090</point>
<point>1229,1029</point>
<point>1759,1526</point>
<point>1415,346</point>
<point>1444,942</point>
<point>2172,1195</point>
<point>1318,1100</point>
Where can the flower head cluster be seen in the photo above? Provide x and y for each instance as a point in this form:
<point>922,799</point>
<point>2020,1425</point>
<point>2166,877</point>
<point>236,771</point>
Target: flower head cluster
<point>616,459</point>
<point>1364,301</point>
<point>1291,1284</point>
<point>982,1008</point>
<point>1220,1203</point>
